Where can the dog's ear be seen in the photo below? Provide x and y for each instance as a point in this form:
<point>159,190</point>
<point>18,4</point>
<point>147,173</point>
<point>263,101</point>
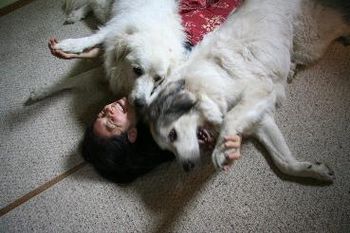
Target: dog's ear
<point>172,102</point>
<point>121,51</point>
<point>121,47</point>
<point>123,42</point>
<point>182,102</point>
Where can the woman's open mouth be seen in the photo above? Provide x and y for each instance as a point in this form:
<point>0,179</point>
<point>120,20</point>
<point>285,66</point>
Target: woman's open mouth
<point>121,105</point>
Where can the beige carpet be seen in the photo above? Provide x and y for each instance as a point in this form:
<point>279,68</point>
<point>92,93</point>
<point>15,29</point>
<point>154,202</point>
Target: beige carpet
<point>39,143</point>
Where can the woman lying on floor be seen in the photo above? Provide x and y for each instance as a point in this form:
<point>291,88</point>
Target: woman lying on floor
<point>120,147</point>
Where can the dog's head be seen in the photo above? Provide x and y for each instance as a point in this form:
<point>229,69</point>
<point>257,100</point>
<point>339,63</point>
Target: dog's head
<point>178,126</point>
<point>147,58</point>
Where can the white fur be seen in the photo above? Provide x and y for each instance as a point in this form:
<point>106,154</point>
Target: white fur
<point>144,34</point>
<point>242,68</point>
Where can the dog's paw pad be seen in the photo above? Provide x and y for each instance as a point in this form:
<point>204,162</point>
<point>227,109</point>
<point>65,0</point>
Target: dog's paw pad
<point>68,21</point>
<point>322,172</point>
<point>220,160</point>
<point>71,19</point>
<point>35,96</point>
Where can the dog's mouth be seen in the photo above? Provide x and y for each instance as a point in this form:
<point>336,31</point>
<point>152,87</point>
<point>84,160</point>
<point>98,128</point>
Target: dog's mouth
<point>206,138</point>
<point>203,135</point>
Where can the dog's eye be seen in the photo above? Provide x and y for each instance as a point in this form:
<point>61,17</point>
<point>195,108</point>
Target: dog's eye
<point>172,135</point>
<point>138,71</point>
<point>157,78</point>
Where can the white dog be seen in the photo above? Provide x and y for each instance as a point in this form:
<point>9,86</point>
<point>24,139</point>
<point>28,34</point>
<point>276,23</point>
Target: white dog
<point>236,76</point>
<point>143,40</point>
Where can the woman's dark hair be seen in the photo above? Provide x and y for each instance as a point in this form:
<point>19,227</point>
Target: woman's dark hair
<point>119,160</point>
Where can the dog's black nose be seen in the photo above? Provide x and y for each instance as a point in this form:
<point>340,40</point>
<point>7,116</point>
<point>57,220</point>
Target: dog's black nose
<point>139,103</point>
<point>188,166</point>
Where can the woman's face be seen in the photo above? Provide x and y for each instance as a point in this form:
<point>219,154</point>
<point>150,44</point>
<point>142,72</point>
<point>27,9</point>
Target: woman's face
<point>115,119</point>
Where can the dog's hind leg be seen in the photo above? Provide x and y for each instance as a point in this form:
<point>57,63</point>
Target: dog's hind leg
<point>268,133</point>
<point>241,118</point>
<point>84,80</point>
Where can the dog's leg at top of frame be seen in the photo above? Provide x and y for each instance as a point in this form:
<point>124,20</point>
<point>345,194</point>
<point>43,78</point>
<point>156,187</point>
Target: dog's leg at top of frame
<point>268,133</point>
<point>78,45</point>
<point>82,81</point>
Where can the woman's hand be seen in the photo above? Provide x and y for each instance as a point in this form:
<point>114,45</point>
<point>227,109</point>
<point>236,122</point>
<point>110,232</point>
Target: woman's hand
<point>232,145</point>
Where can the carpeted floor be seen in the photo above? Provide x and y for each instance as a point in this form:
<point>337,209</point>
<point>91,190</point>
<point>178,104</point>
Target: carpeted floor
<point>46,188</point>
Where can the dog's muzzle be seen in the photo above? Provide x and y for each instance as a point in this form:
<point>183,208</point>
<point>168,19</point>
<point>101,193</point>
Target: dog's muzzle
<point>139,103</point>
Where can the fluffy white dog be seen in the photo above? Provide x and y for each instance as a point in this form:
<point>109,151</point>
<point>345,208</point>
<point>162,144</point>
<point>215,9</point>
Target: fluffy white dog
<point>234,79</point>
<point>142,40</point>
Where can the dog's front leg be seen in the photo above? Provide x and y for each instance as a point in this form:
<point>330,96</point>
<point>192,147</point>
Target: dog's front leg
<point>79,45</point>
<point>210,110</point>
<point>242,117</point>
<point>268,133</point>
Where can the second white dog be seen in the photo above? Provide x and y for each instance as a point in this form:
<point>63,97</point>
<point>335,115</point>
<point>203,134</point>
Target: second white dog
<point>234,79</point>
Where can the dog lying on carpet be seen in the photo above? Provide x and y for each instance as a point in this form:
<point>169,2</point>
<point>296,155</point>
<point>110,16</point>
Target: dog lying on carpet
<point>236,76</point>
<point>142,40</point>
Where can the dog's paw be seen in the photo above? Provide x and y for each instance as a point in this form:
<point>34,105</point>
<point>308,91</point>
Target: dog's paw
<point>220,159</point>
<point>72,18</point>
<point>35,96</point>
<point>292,72</point>
<point>320,171</point>
<point>71,45</point>
<point>227,152</point>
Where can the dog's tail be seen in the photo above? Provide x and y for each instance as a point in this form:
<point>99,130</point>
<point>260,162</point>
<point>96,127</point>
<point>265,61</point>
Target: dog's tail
<point>87,81</point>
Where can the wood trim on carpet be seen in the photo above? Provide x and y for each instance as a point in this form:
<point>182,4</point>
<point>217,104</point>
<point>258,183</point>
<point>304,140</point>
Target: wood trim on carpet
<point>14,6</point>
<point>40,189</point>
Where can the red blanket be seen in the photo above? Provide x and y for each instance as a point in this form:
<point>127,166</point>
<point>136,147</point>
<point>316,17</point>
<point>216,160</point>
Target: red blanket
<point>202,16</point>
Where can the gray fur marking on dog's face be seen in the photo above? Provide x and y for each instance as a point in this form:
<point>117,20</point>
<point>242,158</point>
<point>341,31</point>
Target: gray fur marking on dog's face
<point>171,103</point>
<point>173,125</point>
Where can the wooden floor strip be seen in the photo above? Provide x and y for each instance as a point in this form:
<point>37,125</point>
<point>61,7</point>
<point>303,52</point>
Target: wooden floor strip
<point>39,189</point>
<point>14,6</point>
<point>3,11</point>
